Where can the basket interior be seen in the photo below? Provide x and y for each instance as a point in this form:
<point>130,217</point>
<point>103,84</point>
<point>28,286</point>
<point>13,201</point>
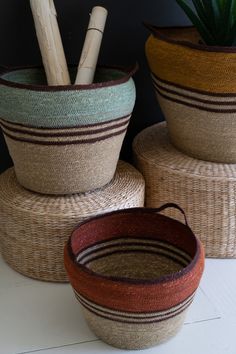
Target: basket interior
<point>36,76</point>
<point>134,258</point>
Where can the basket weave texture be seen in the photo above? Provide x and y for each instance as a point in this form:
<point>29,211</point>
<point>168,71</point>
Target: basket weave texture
<point>199,105</point>
<point>205,190</point>
<point>35,227</point>
<point>65,160</point>
<point>26,99</point>
<point>135,273</point>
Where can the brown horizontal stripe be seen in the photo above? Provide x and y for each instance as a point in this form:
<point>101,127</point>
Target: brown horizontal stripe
<point>70,142</point>
<point>134,315</point>
<point>206,93</point>
<point>196,106</point>
<point>192,98</point>
<point>65,134</point>
<point>95,258</point>
<point>143,244</point>
<point>95,312</point>
<point>133,238</point>
<point>22,126</point>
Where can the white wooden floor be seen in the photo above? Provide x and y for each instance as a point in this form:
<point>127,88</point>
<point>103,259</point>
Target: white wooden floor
<point>44,318</point>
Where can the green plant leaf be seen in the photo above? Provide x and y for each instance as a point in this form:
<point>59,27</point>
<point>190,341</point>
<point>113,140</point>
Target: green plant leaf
<point>202,29</point>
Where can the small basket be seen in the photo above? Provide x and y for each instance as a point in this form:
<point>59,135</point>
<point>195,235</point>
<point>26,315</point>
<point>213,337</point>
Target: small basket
<point>65,139</point>
<point>135,273</point>
<point>206,190</point>
<point>34,228</point>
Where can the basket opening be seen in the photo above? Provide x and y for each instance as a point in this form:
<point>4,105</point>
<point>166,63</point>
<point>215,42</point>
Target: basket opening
<point>133,224</point>
<point>139,259</point>
<point>36,76</point>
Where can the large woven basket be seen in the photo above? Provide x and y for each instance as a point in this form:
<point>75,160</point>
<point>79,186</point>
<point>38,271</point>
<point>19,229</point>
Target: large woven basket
<point>65,139</point>
<point>196,89</point>
<point>34,227</point>
<point>206,190</point>
<point>135,273</point>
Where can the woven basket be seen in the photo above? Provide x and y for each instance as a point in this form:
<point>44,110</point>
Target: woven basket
<point>65,139</point>
<point>196,90</point>
<point>34,227</point>
<point>135,273</point>
<point>206,191</point>
<point>65,160</point>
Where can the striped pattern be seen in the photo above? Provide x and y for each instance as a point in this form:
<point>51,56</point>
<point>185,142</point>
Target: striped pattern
<point>133,317</point>
<point>205,101</point>
<point>65,160</point>
<point>135,273</point>
<point>196,92</point>
<point>134,246</point>
<point>133,258</point>
<point>75,135</point>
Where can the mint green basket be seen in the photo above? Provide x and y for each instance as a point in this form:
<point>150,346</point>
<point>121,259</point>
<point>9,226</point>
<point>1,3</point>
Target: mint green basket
<point>26,99</point>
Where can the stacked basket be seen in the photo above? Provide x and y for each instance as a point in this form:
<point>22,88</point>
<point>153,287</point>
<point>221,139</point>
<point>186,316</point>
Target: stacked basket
<point>65,143</point>
<point>193,163</point>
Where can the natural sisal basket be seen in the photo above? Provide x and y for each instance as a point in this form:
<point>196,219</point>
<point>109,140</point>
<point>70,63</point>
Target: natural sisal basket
<point>206,190</point>
<point>34,227</point>
<point>135,272</point>
<point>196,89</point>
<point>65,139</point>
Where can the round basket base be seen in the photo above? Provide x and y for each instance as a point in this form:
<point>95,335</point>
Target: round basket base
<point>35,227</point>
<point>205,190</point>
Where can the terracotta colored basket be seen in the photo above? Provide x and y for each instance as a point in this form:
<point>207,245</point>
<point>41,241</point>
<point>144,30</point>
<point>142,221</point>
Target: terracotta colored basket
<point>65,139</point>
<point>135,272</point>
<point>196,90</point>
<point>206,190</point>
<point>34,228</point>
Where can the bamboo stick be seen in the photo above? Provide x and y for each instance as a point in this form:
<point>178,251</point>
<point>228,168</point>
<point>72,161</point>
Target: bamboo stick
<point>91,48</point>
<point>48,34</point>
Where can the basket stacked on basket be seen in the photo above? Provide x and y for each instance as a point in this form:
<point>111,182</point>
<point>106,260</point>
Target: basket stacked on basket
<point>65,143</point>
<point>193,162</point>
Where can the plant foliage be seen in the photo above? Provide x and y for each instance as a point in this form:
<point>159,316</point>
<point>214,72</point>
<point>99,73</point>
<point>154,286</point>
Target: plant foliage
<point>215,20</point>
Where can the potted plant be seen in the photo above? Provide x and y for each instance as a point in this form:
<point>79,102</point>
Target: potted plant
<point>194,75</point>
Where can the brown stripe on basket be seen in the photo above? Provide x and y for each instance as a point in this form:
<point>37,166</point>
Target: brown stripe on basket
<point>65,132</point>
<point>185,94</point>
<point>67,142</point>
<point>109,248</point>
<point>197,91</point>
<point>207,109</point>
<point>158,253</point>
<point>133,240</point>
<point>132,317</point>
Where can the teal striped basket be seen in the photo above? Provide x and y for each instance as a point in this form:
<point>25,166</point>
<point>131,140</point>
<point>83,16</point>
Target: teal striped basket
<point>65,139</point>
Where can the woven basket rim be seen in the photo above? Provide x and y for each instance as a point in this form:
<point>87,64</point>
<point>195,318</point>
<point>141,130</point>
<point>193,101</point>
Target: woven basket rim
<point>159,32</point>
<point>127,71</point>
<point>160,280</point>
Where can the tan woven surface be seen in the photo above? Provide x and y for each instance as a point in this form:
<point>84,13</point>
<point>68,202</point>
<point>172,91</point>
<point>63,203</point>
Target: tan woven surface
<point>65,161</point>
<point>35,227</point>
<point>134,336</point>
<point>205,190</point>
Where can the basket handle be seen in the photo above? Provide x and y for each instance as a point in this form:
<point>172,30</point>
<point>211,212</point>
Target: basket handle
<point>172,205</point>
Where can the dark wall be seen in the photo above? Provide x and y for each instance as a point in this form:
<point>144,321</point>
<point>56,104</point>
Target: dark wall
<point>123,43</point>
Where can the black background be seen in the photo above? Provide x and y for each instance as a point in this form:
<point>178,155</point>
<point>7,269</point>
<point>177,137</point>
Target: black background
<point>123,44</point>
